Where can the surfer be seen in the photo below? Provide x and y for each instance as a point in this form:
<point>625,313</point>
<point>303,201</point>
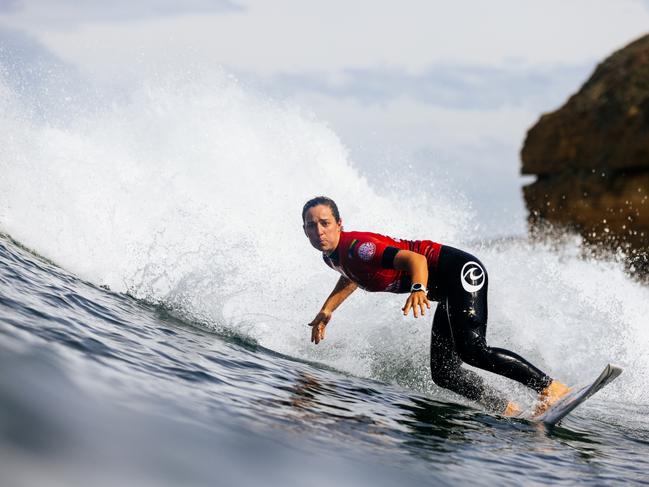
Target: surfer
<point>426,271</point>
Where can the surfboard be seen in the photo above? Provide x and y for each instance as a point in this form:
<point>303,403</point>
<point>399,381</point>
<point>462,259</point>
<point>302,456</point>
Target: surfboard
<point>570,401</point>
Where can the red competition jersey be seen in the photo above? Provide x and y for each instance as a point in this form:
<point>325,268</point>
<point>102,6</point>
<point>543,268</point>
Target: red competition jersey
<point>367,259</point>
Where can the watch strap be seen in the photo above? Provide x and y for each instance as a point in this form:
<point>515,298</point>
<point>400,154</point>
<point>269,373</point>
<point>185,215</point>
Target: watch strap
<point>418,287</point>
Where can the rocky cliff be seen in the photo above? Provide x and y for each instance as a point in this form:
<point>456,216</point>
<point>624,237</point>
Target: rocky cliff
<point>591,156</point>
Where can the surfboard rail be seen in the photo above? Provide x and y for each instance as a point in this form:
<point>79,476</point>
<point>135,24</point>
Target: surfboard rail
<point>570,401</point>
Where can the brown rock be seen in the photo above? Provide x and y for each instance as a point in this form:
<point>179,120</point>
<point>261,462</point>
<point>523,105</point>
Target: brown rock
<point>605,125</point>
<point>592,155</point>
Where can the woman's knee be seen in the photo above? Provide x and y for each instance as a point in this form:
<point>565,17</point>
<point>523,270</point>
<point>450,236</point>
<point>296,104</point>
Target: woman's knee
<point>474,353</point>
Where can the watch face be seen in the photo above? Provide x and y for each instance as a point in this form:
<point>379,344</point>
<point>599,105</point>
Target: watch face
<point>417,287</point>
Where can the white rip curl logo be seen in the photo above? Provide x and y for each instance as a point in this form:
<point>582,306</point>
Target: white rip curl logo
<point>472,277</point>
<point>366,251</point>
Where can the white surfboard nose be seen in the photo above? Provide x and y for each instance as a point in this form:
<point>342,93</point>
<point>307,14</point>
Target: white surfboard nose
<point>570,401</point>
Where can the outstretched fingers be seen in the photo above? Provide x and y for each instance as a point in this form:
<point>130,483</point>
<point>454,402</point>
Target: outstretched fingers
<point>317,333</point>
<point>423,305</point>
<point>318,326</point>
<point>406,308</point>
<point>418,303</point>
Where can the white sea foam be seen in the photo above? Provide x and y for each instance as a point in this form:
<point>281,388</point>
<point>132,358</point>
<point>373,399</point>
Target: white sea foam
<point>569,314</point>
<point>188,190</point>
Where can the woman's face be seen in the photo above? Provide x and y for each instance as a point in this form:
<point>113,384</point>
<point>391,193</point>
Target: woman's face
<point>322,228</point>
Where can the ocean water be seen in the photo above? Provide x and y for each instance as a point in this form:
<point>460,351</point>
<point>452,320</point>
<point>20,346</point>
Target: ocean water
<point>155,286</point>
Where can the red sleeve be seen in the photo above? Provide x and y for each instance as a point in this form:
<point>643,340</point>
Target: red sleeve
<point>369,250</point>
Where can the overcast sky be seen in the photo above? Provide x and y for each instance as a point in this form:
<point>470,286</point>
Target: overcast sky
<point>446,87</point>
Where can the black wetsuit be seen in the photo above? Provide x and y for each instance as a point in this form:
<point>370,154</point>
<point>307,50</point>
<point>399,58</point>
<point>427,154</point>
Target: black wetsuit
<point>459,282</point>
<point>459,328</point>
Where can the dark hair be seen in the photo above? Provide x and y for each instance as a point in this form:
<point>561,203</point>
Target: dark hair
<point>321,200</point>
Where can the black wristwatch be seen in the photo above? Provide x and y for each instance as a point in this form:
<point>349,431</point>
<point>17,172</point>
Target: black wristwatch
<point>418,287</point>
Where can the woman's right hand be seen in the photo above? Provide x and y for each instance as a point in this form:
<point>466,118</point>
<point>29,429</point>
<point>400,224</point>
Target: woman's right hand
<point>318,326</point>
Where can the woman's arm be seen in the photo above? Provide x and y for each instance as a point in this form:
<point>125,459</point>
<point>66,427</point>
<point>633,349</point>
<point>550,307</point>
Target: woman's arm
<point>417,266</point>
<point>344,287</point>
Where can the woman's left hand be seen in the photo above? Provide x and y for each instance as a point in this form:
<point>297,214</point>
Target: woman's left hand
<point>417,299</point>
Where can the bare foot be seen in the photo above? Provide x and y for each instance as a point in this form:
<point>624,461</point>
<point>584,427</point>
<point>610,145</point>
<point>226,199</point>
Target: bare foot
<point>551,394</point>
<point>512,409</point>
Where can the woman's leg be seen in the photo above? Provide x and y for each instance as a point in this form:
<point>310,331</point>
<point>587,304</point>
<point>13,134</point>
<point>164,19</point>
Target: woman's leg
<point>465,282</point>
<point>446,370</point>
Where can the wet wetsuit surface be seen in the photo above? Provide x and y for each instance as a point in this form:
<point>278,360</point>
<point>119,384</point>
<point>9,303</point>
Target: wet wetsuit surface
<point>459,282</point>
<point>459,334</point>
